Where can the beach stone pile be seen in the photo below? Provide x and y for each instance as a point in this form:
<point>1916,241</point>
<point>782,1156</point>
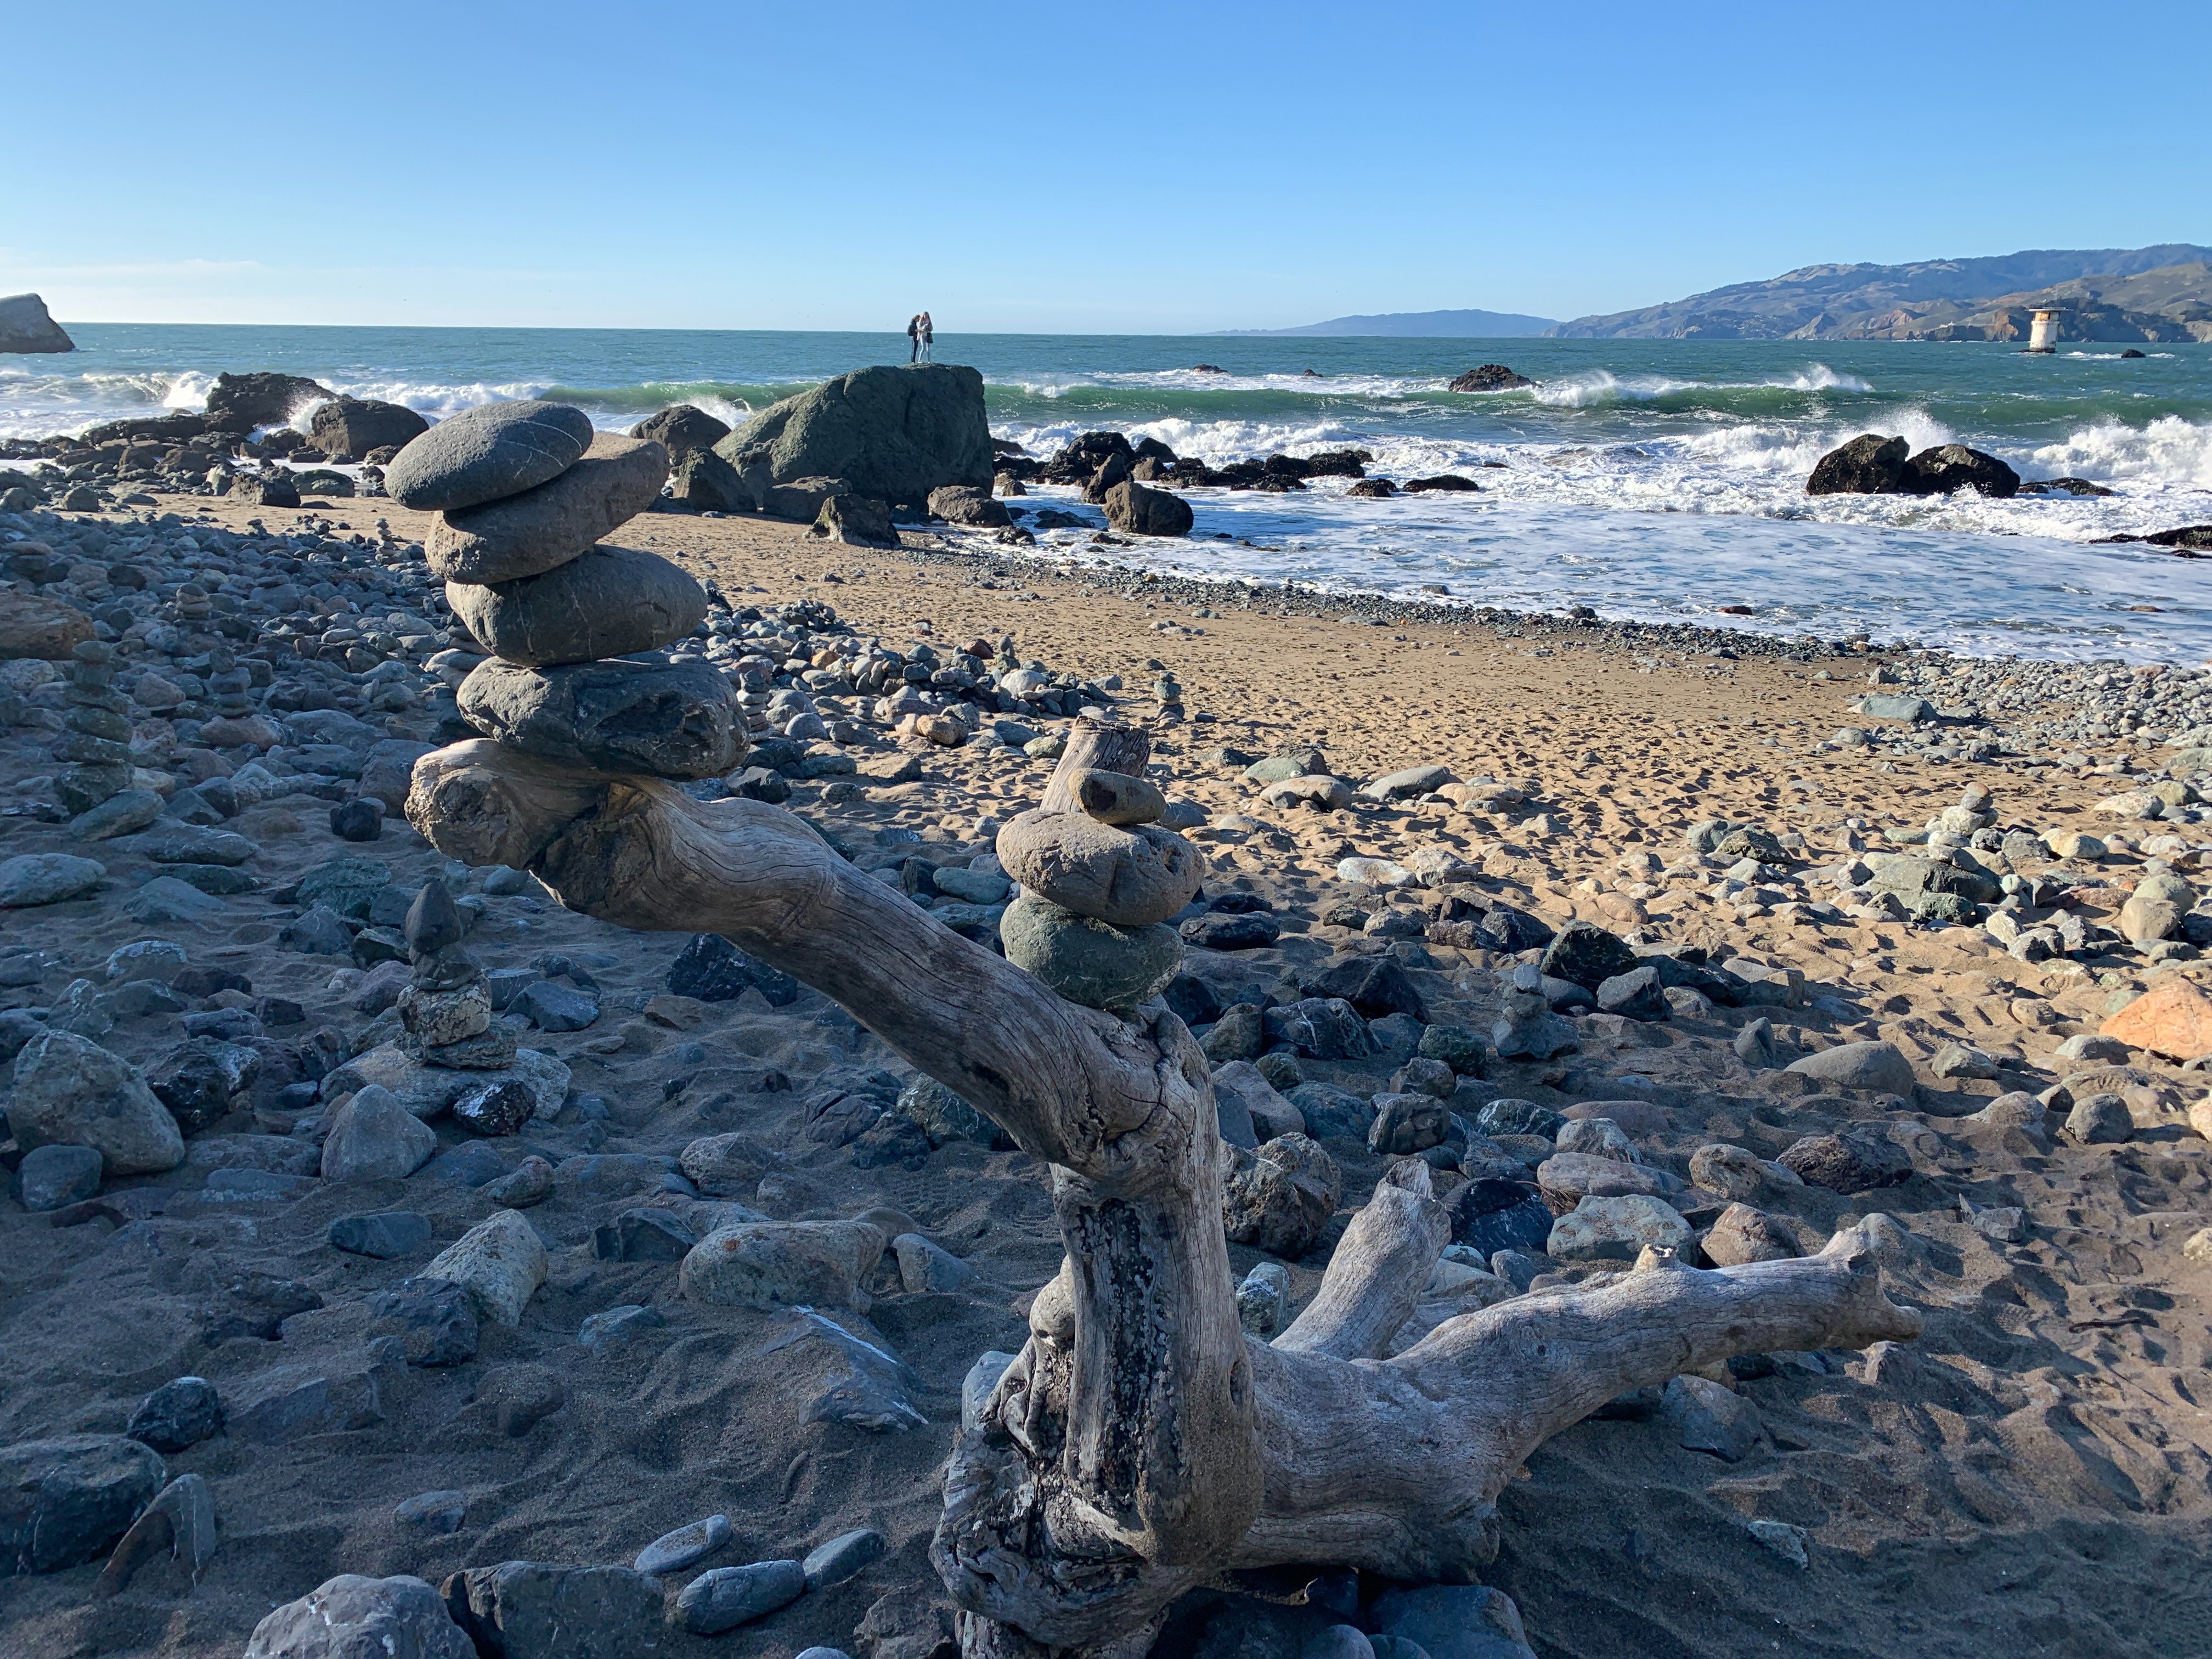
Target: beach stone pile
<point>1098,886</point>
<point>96,748</point>
<point>524,492</point>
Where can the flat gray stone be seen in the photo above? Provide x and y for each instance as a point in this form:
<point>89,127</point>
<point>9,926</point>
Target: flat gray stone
<point>664,720</point>
<point>849,1553</point>
<point>612,602</point>
<point>672,1552</point>
<point>33,878</point>
<point>485,453</point>
<point>727,1597</point>
<point>545,528</point>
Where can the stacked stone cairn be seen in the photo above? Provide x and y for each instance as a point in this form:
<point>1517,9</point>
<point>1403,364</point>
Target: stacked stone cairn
<point>1100,878</point>
<point>524,492</point>
<point>97,749</point>
<point>447,1011</point>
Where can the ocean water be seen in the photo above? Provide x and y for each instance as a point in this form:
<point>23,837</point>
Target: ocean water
<point>1661,480</point>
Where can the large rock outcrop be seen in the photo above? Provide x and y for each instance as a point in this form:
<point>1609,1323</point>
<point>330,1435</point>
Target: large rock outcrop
<point>243,402</point>
<point>25,326</point>
<point>1871,464</point>
<point>895,434</point>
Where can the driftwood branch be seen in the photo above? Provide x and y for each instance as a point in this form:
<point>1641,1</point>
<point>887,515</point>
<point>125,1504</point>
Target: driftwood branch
<point>1140,1444</point>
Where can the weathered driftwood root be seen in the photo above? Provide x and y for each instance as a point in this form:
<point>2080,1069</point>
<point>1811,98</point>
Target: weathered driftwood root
<point>1140,1444</point>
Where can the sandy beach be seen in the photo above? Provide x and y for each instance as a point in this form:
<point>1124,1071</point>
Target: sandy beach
<point>2034,1471</point>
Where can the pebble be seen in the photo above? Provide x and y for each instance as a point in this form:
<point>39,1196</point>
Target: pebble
<point>383,1236</point>
<point>726,1597</point>
<point>433,1512</point>
<point>844,1556</point>
<point>672,1552</point>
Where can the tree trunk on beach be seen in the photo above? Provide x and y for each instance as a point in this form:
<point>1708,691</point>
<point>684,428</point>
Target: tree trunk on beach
<point>1141,1443</point>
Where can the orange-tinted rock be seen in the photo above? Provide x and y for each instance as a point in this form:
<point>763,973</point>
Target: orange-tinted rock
<point>2173,1018</point>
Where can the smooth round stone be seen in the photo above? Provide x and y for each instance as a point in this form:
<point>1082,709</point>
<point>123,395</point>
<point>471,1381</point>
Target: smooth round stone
<point>1130,876</point>
<point>51,1177</point>
<point>484,453</point>
<point>1089,960</point>
<point>727,1597</point>
<point>668,720</point>
<point>610,602</point>
<point>545,528</point>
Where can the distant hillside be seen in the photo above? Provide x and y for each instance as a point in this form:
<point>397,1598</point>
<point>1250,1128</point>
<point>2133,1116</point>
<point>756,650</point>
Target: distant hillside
<point>1424,325</point>
<point>2173,303</point>
<point>1849,302</point>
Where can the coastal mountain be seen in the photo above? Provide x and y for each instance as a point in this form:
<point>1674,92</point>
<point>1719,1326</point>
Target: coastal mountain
<point>1424,325</point>
<point>1924,301</point>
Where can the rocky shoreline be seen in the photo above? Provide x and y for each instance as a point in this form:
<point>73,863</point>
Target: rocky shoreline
<point>1615,927</point>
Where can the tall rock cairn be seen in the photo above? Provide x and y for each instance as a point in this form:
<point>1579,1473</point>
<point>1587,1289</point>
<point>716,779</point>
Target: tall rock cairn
<point>1099,875</point>
<point>524,492</point>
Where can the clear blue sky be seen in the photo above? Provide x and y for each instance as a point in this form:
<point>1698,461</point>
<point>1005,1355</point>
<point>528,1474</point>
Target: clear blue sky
<point>1061,167</point>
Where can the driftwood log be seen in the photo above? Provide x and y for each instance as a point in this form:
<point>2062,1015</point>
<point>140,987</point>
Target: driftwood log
<point>1141,1443</point>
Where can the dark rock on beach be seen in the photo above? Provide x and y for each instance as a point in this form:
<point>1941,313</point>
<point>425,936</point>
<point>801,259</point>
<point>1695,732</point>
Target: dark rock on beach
<point>354,426</point>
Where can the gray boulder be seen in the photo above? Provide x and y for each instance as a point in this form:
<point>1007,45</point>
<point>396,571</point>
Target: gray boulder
<point>610,602</point>
<point>893,433</point>
<point>682,429</point>
<point>968,505</point>
<point>34,878</point>
<point>1136,511</point>
<point>351,1617</point>
<point>64,1501</point>
<point>1859,1066</point>
<point>531,1610</point>
<point>854,521</point>
<point>375,1138</point>
<point>26,327</point>
<point>704,482</point>
<point>354,426</point>
<point>70,1090</point>
<point>670,720</point>
<point>545,527</point>
<point>484,453</point>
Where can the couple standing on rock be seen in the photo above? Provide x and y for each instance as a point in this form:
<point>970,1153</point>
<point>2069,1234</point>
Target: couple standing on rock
<point>920,332</point>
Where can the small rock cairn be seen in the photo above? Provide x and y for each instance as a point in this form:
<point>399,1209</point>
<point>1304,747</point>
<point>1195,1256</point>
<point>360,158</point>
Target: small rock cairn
<point>1100,876</point>
<point>524,492</point>
<point>97,746</point>
<point>447,1011</point>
